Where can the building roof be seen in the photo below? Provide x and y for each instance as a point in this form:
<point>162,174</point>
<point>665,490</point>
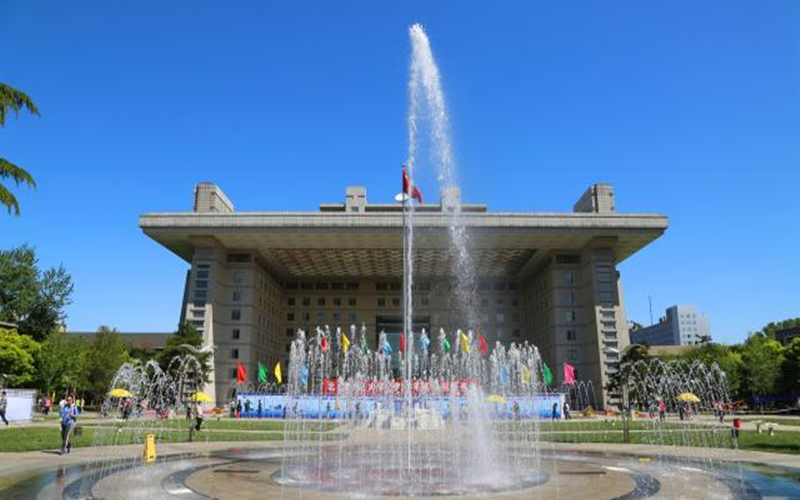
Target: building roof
<point>368,243</point>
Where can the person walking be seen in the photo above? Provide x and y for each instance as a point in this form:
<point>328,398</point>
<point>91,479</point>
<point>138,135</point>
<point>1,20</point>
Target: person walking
<point>566,411</point>
<point>69,416</point>
<point>662,410</point>
<point>555,412</point>
<point>3,406</point>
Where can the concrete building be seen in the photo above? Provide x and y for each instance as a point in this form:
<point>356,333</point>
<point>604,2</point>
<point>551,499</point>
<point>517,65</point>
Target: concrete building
<point>681,325</point>
<point>254,278</point>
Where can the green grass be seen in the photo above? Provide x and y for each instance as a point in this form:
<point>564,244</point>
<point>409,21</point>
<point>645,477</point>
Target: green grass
<point>768,418</point>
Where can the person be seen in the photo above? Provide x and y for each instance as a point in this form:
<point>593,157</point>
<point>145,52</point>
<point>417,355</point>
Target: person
<point>555,412</point>
<point>48,403</point>
<point>246,407</point>
<point>681,412</point>
<point>566,411</point>
<point>721,412</point>
<point>260,408</point>
<point>516,410</point>
<point>233,408</point>
<point>3,406</point>
<point>198,416</point>
<point>69,416</point>
<point>662,410</point>
<point>239,408</point>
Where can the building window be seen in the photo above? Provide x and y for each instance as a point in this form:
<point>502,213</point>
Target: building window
<point>337,302</point>
<point>572,354</point>
<point>201,274</point>
<point>337,286</point>
<point>501,317</point>
<point>306,317</point>
<point>396,302</point>
<point>306,301</point>
<point>321,302</point>
<point>337,317</point>
<point>515,302</point>
<point>198,314</point>
<point>290,317</point>
<point>200,294</point>
<point>201,284</point>
<point>306,286</point>
<point>569,277</point>
<point>235,333</point>
<point>234,353</point>
<point>571,316</point>
<point>381,302</point>
<point>572,336</point>
<point>516,333</point>
<point>237,277</point>
<point>288,347</point>
<point>352,286</point>
<point>351,302</point>
<point>289,332</point>
<point>352,317</point>
<point>239,257</point>
<point>233,373</point>
<point>236,315</point>
<point>290,301</point>
<point>237,296</point>
<point>320,318</point>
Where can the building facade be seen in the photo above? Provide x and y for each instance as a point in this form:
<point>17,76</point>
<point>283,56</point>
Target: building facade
<point>681,325</point>
<point>551,279</point>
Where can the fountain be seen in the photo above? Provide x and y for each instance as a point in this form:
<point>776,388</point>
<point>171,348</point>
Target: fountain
<point>443,413</point>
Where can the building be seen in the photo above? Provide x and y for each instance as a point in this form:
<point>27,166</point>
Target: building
<point>681,325</point>
<point>786,335</point>
<point>254,278</point>
<point>145,341</point>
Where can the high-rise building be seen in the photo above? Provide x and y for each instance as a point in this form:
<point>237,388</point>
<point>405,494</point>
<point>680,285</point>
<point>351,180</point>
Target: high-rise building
<point>681,325</point>
<point>551,279</point>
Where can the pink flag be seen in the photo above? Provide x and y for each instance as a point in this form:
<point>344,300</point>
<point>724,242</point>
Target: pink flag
<point>569,373</point>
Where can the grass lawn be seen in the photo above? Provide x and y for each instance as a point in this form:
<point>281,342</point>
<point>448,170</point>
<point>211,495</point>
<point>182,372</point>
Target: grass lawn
<point>769,418</point>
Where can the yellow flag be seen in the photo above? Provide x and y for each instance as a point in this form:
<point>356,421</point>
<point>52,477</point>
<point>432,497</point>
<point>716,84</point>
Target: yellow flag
<point>278,376</point>
<point>464,343</point>
<point>526,375</point>
<point>345,343</point>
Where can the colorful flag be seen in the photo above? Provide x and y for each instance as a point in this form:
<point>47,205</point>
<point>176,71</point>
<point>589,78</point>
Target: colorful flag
<point>324,344</point>
<point>464,343</point>
<point>386,347</point>
<point>503,375</point>
<point>425,343</point>
<point>364,345</point>
<point>415,193</point>
<point>263,378</point>
<point>278,376</point>
<point>446,345</point>
<point>304,375</point>
<point>402,342</point>
<point>483,345</point>
<point>569,373</point>
<point>345,343</point>
<point>526,375</point>
<point>547,375</point>
<point>241,373</point>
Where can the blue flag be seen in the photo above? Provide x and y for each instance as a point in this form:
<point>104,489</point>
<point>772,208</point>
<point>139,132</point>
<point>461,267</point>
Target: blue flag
<point>503,375</point>
<point>304,375</point>
<point>425,343</point>
<point>387,347</point>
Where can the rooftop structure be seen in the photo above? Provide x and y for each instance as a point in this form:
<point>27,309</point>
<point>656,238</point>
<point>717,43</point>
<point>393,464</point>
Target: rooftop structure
<point>547,278</point>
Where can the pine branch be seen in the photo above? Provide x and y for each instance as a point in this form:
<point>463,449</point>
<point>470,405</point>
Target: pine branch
<point>17,174</point>
<point>9,201</point>
<point>14,100</point>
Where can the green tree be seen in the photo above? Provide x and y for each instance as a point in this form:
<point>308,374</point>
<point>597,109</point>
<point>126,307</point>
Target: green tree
<point>791,367</point>
<point>13,100</point>
<point>629,371</point>
<point>186,335</point>
<point>59,362</point>
<point>763,359</point>
<point>770,328</point>
<point>17,354</point>
<point>32,298</point>
<point>104,355</point>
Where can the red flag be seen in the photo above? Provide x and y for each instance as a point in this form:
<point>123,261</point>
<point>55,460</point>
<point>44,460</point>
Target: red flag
<point>569,373</point>
<point>402,342</point>
<point>241,373</point>
<point>324,344</point>
<point>416,194</point>
<point>483,345</point>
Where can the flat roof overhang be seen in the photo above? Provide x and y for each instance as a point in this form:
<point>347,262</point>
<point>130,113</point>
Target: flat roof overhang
<point>307,244</point>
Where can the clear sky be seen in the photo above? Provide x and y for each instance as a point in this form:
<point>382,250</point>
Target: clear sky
<point>691,109</point>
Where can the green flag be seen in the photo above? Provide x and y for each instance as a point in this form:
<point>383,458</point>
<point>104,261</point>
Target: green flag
<point>263,377</point>
<point>364,346</point>
<point>547,375</point>
<point>446,345</point>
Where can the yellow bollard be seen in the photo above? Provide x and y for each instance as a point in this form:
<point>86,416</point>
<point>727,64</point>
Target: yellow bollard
<point>149,453</point>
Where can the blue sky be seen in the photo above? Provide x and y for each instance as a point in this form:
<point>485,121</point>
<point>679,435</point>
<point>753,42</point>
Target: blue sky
<point>691,109</point>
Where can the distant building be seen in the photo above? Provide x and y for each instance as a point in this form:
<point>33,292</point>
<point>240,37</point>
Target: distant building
<point>682,325</point>
<point>144,341</point>
<point>787,334</point>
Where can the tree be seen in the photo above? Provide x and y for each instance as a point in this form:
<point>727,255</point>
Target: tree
<point>16,357</point>
<point>104,355</point>
<point>186,335</point>
<point>770,328</point>
<point>727,358</point>
<point>13,100</point>
<point>628,370</point>
<point>59,362</point>
<point>763,358</point>
<point>791,367</point>
<point>29,297</point>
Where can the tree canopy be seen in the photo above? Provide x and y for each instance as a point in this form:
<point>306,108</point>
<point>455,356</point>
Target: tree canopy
<point>17,354</point>
<point>13,100</point>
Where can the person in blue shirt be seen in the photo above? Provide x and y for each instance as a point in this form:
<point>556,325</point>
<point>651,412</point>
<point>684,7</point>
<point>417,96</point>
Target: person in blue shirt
<point>69,416</point>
